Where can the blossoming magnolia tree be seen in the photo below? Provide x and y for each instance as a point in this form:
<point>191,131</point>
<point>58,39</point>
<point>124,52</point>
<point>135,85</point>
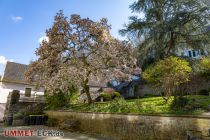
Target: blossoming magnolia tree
<point>79,50</point>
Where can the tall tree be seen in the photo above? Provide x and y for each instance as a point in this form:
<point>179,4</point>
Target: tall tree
<point>79,50</point>
<point>168,25</point>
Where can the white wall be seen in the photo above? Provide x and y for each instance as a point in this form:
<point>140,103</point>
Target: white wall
<point>5,88</point>
<point>185,52</point>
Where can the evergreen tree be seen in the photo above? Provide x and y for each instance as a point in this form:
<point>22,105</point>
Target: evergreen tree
<point>168,25</point>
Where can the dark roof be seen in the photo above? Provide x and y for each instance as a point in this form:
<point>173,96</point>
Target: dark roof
<point>14,72</point>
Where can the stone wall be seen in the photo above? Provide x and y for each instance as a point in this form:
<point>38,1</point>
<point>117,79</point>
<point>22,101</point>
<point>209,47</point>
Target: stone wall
<point>193,87</point>
<point>197,84</point>
<point>146,89</point>
<point>14,105</point>
<point>136,127</point>
<point>12,101</point>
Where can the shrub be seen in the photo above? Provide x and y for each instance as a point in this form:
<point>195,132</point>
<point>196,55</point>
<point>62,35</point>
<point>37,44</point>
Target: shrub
<point>116,95</point>
<point>205,66</point>
<point>74,97</point>
<point>168,74</point>
<point>180,102</point>
<point>185,104</point>
<point>61,99</point>
<point>106,96</point>
<point>109,96</point>
<point>57,100</point>
<point>192,105</point>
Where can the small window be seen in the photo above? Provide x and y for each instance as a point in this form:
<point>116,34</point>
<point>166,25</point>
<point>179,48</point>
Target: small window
<point>194,54</point>
<point>190,53</point>
<point>202,53</point>
<point>28,92</point>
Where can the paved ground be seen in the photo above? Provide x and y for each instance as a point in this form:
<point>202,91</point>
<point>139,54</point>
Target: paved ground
<point>67,135</point>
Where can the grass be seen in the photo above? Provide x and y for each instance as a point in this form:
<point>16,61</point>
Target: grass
<point>197,104</point>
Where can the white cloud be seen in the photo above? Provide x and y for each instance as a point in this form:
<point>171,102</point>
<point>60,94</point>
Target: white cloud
<point>16,18</point>
<point>3,60</point>
<point>43,38</point>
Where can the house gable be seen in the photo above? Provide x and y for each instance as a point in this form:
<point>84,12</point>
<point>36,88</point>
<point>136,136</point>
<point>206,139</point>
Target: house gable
<point>14,73</point>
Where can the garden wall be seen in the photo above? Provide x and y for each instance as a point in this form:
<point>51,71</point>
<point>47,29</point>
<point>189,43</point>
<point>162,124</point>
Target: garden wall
<point>146,89</point>
<point>195,86</point>
<point>135,127</point>
<point>13,106</point>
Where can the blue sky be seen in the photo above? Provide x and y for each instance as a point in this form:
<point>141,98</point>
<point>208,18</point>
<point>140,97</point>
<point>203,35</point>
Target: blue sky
<point>23,22</point>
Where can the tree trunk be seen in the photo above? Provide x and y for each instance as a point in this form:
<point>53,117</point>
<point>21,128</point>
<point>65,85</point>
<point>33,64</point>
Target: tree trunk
<point>87,91</point>
<point>170,43</point>
<point>86,80</point>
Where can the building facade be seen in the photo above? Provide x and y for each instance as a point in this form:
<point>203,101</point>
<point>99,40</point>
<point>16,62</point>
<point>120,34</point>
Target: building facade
<point>13,79</point>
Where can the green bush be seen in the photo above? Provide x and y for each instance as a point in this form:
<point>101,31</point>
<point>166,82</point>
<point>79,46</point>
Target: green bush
<point>61,99</point>
<point>116,95</point>
<point>180,102</point>
<point>192,105</point>
<point>205,67</point>
<point>57,100</point>
<point>168,74</point>
<point>74,97</point>
<point>110,96</point>
<point>185,104</point>
<point>106,96</point>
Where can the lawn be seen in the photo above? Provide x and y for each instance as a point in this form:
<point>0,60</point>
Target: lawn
<point>196,104</point>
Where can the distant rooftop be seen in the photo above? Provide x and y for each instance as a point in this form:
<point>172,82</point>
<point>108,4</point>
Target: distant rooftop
<point>14,72</point>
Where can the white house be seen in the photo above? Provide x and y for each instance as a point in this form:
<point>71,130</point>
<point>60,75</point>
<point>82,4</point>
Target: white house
<point>191,53</point>
<point>185,51</point>
<point>14,79</point>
